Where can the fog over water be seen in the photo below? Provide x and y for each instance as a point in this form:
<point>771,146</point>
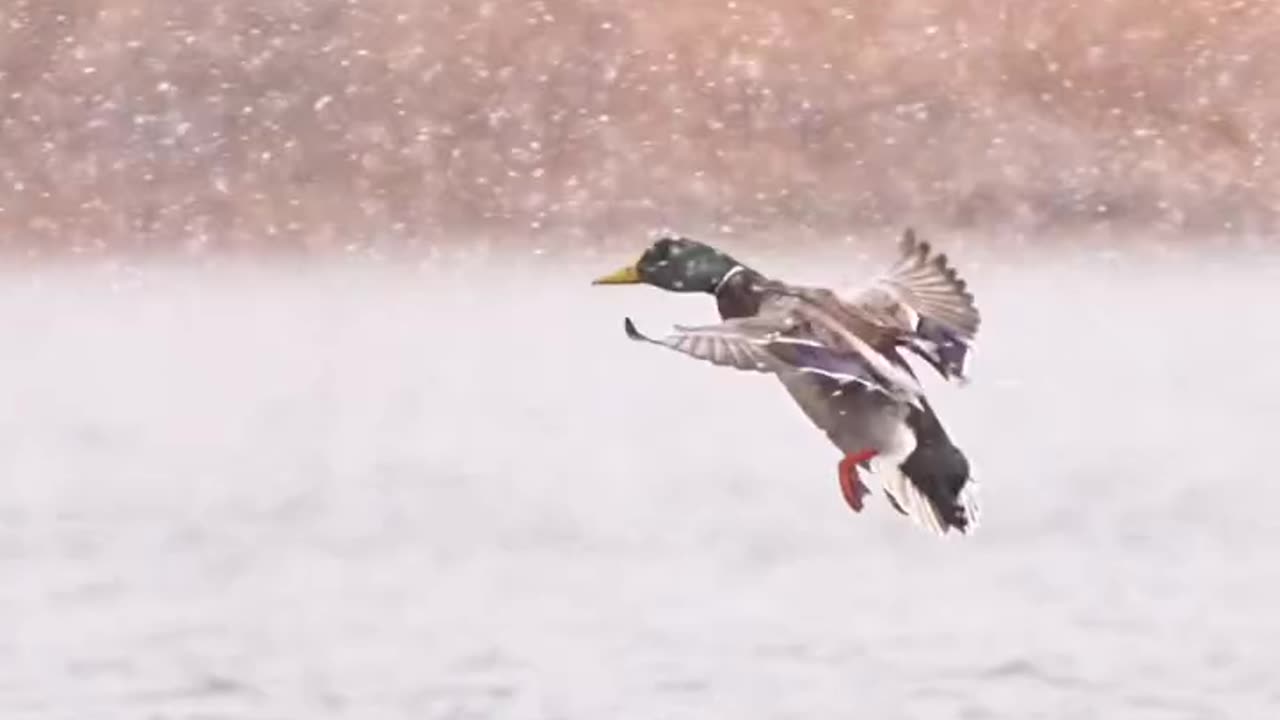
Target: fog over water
<point>454,490</point>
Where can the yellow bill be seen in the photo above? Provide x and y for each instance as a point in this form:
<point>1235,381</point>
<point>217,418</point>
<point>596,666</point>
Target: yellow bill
<point>628,275</point>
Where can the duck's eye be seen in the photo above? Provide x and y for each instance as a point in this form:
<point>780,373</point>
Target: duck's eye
<point>664,248</point>
<point>664,251</point>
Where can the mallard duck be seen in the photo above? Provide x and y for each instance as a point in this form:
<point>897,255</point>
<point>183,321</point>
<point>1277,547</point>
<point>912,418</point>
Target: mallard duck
<point>842,360</point>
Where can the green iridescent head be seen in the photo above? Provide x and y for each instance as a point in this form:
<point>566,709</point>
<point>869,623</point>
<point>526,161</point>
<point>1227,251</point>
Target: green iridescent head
<point>677,264</point>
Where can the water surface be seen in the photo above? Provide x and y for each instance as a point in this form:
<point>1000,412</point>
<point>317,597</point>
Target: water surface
<point>377,491</point>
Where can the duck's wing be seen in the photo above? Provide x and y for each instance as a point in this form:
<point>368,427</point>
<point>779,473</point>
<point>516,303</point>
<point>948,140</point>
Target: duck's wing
<point>736,343</point>
<point>922,297</point>
<point>924,281</point>
<point>767,344</point>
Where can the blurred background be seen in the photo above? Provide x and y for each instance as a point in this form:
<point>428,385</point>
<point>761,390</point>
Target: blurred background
<point>307,408</point>
<point>302,124</point>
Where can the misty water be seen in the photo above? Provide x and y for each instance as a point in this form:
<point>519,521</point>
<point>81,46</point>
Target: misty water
<point>454,490</point>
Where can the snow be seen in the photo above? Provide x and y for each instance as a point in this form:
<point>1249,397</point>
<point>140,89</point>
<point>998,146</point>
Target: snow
<point>393,121</point>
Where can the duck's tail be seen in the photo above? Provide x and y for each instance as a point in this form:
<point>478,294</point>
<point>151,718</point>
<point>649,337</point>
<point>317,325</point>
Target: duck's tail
<point>933,485</point>
<point>930,501</point>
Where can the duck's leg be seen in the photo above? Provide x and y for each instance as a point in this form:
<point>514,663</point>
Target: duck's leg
<point>850,485</point>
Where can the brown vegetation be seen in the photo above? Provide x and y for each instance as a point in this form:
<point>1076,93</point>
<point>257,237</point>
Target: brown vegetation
<point>297,123</point>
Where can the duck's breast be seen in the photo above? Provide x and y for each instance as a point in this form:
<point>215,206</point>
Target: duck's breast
<point>853,417</point>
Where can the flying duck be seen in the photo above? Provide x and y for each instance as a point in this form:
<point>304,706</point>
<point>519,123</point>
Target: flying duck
<point>842,360</point>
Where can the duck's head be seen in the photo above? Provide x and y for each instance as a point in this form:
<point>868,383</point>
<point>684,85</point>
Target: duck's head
<point>677,264</point>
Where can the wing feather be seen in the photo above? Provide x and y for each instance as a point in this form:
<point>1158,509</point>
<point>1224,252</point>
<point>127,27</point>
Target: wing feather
<point>925,282</point>
<point>923,299</point>
<point>716,344</point>
<point>760,344</point>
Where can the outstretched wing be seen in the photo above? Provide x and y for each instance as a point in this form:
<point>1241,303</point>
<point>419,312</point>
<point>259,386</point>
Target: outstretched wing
<point>763,344</point>
<point>734,343</point>
<point>922,296</point>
